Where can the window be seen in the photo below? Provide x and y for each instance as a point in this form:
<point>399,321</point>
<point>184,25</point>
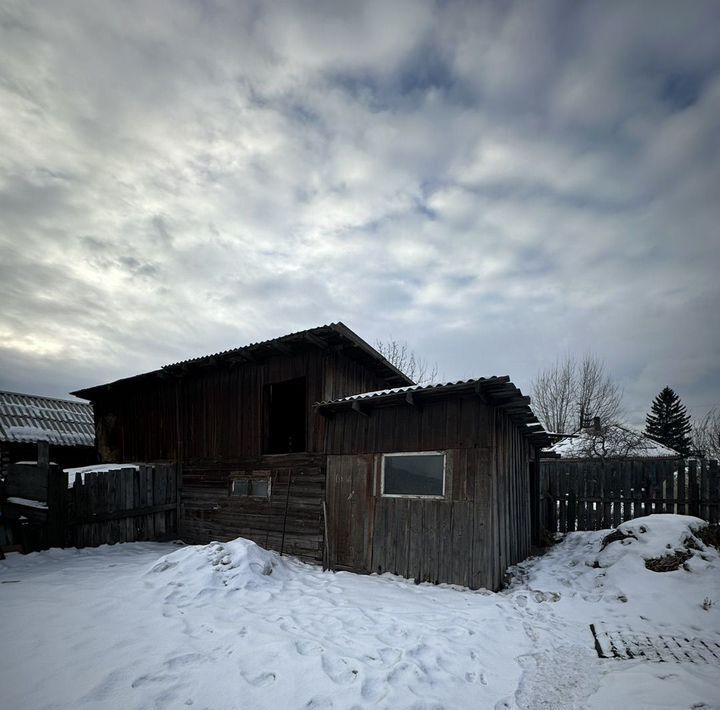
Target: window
<point>287,402</point>
<point>251,487</point>
<point>420,474</point>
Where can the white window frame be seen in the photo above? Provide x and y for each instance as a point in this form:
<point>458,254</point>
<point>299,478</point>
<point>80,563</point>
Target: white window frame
<point>413,495</point>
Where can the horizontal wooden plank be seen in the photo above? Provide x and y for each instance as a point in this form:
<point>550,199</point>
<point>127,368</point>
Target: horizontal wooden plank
<point>122,514</point>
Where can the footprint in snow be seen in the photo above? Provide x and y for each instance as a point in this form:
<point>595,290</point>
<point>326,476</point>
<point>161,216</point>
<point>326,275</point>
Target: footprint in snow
<point>260,681</point>
<point>308,648</point>
<point>390,656</point>
<point>340,670</point>
<point>373,690</point>
<point>186,659</point>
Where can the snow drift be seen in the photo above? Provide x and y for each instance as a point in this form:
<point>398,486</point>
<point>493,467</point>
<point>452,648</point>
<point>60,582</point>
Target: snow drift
<point>664,542</point>
<point>239,564</point>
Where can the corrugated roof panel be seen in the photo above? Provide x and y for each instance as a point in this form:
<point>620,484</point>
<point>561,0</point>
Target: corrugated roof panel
<point>26,418</point>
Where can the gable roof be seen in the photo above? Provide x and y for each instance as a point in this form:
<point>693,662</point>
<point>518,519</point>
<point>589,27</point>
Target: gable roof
<point>27,418</point>
<point>331,336</point>
<point>615,441</point>
<point>497,391</point>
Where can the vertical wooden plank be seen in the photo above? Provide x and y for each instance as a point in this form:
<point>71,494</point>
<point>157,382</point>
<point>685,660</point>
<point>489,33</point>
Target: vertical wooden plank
<point>56,494</point>
<point>713,492</point>
<point>483,552</point>
<point>430,541</point>
<point>150,499</point>
<point>572,506</point>
<point>378,562</point>
<point>616,493</point>
<point>591,494</point>
<point>581,495</point>
<point>461,542</point>
<point>415,542</point>
<point>627,489</point>
<point>704,489</point>
<point>679,467</point>
<point>444,516</point>
<point>693,488</point>
<point>606,492</point>
<point>559,506</point>
<point>653,489</point>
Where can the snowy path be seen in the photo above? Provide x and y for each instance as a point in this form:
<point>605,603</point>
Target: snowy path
<point>207,627</point>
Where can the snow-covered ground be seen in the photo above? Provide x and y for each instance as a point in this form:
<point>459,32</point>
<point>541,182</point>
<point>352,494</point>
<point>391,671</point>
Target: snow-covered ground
<point>149,625</point>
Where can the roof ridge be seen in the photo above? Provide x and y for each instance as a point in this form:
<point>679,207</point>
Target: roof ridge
<point>43,396</point>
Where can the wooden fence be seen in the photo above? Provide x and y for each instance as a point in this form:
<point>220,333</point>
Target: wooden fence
<point>40,508</point>
<point>124,505</point>
<point>595,495</point>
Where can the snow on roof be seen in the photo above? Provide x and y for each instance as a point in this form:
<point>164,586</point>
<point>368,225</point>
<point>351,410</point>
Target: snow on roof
<point>30,418</point>
<point>437,386</point>
<point>614,441</point>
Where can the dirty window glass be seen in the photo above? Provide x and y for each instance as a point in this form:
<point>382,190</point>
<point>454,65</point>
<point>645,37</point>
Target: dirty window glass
<point>414,475</point>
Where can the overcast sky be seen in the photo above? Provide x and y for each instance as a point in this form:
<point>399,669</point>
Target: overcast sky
<point>496,183</point>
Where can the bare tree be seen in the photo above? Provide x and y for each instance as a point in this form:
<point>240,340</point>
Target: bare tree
<point>398,353</point>
<point>568,394</point>
<point>610,441</point>
<point>706,434</point>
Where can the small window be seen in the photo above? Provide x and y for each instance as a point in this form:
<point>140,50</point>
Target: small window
<point>420,474</point>
<point>251,487</point>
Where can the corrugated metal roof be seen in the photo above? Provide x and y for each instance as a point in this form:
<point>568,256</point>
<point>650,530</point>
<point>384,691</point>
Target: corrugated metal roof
<point>30,418</point>
<point>438,387</point>
<point>330,335</point>
<point>497,390</point>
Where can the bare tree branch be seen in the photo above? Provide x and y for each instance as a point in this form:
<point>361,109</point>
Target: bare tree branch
<point>706,434</point>
<point>567,395</point>
<point>399,354</point>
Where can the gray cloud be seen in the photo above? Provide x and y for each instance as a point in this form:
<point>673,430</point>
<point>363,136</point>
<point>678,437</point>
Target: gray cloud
<point>497,183</point>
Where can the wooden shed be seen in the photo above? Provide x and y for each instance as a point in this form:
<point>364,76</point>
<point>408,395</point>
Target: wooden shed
<point>432,483</point>
<point>277,446</point>
<point>243,426</point>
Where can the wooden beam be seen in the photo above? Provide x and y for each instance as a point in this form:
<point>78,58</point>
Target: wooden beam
<point>119,514</point>
<point>318,342</point>
<point>281,347</point>
<point>355,406</point>
<point>412,401</point>
<point>478,389</point>
<point>240,357</point>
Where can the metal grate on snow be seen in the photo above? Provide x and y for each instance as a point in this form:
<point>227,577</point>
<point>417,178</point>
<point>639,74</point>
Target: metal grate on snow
<point>628,644</point>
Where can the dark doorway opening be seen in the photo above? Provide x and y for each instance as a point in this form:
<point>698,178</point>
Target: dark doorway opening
<point>287,416</point>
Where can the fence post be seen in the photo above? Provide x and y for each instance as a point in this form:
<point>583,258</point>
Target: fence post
<point>178,497</point>
<point>56,487</point>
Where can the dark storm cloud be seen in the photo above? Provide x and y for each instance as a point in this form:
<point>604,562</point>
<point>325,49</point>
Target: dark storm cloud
<point>497,183</point>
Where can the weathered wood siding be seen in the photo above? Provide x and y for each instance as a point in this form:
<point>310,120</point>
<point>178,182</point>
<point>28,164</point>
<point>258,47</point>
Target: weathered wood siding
<point>290,520</point>
<point>218,412</point>
<point>214,421</point>
<point>471,536</point>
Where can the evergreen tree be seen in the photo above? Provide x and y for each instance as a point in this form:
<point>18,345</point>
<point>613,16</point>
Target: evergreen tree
<point>668,422</point>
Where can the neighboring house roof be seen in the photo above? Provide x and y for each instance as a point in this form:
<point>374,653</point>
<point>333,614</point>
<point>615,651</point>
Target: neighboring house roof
<point>27,418</point>
<point>333,335</point>
<point>498,391</point>
<point>614,441</point>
